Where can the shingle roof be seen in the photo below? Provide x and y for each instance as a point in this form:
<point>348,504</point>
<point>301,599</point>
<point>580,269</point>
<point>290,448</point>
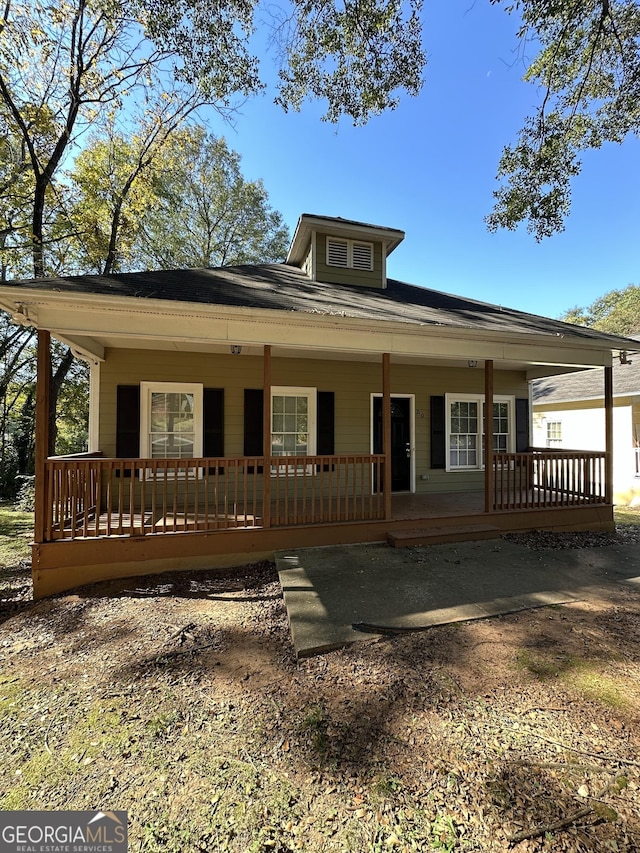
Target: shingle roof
<point>588,384</point>
<point>287,288</point>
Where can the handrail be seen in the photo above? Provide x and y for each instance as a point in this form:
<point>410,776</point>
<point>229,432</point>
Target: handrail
<point>91,496</point>
<point>84,454</point>
<point>551,478</point>
<point>569,450</point>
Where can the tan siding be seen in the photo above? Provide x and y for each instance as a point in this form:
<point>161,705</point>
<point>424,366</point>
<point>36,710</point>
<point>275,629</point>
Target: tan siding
<point>458,381</point>
<point>130,367</point>
<point>352,382</point>
<point>341,275</point>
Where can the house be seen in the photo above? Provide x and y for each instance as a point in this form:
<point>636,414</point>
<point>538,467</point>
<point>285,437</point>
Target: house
<point>240,410</point>
<point>568,413</point>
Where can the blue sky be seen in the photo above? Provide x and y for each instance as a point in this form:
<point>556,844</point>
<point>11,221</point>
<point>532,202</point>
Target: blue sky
<point>429,168</point>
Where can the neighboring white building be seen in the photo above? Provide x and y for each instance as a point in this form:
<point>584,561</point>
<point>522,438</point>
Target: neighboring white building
<point>568,413</point>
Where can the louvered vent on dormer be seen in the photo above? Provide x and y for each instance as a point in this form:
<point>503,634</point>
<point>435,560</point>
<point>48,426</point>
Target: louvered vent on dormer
<point>362,256</point>
<point>337,253</point>
<point>348,253</point>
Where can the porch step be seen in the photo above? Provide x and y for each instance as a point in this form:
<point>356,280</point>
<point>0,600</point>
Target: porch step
<point>438,535</point>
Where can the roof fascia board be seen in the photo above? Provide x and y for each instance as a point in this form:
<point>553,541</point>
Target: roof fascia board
<point>563,401</point>
<point>75,315</point>
<point>24,301</point>
<point>590,399</point>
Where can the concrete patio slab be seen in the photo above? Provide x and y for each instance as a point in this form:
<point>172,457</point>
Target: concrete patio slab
<point>329,590</point>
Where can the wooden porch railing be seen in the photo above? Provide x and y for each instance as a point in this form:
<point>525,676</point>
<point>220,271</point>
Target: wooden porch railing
<point>89,497</point>
<point>548,478</point>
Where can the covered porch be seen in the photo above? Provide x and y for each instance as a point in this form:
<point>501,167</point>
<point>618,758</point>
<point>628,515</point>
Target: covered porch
<point>83,543</point>
<point>90,497</point>
<point>101,516</point>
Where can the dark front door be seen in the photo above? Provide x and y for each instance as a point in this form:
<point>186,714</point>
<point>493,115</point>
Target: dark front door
<point>400,440</point>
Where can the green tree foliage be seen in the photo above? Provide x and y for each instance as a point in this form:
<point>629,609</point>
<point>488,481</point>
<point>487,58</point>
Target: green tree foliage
<point>205,213</point>
<point>588,71</point>
<point>617,312</point>
<point>138,70</point>
<point>356,56</point>
<point>186,204</point>
<point>72,65</point>
<point>17,403</point>
<point>65,67</point>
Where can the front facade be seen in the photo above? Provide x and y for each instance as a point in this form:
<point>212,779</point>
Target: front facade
<point>241,410</point>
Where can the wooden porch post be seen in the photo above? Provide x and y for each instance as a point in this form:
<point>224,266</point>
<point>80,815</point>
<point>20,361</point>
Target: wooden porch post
<point>488,436</point>
<point>43,395</point>
<point>608,430</point>
<point>386,431</point>
<point>266,437</point>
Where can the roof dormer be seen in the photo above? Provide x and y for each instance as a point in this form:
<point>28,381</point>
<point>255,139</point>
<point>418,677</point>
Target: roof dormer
<point>341,251</point>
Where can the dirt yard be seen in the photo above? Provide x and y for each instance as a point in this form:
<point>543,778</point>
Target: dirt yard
<point>178,699</point>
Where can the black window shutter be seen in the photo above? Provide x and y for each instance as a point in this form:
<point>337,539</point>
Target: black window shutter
<point>325,440</point>
<point>522,425</point>
<point>253,424</point>
<point>213,422</point>
<point>325,425</point>
<point>128,422</point>
<point>438,433</point>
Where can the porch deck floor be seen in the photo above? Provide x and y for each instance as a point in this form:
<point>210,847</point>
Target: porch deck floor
<point>437,505</point>
<point>405,507</point>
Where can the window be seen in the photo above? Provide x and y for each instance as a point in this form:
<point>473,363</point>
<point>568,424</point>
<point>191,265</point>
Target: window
<point>463,434</point>
<point>465,430</point>
<point>554,433</point>
<point>170,420</point>
<point>501,422</point>
<point>293,422</point>
<point>349,253</point>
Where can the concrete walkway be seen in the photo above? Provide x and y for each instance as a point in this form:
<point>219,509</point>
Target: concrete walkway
<point>327,590</point>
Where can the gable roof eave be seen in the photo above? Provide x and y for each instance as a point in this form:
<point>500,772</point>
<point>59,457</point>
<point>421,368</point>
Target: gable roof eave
<point>148,319</point>
<point>275,290</point>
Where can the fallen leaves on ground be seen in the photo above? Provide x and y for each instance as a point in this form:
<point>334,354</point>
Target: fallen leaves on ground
<point>178,698</point>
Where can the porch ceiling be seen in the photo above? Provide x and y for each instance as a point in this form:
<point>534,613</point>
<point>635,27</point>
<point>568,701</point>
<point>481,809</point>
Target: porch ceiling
<point>99,344</point>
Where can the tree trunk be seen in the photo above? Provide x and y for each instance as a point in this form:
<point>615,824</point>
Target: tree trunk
<point>56,384</point>
<point>25,438</point>
<point>37,225</point>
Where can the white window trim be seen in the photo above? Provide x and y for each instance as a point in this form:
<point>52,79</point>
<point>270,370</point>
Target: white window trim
<point>349,244</point>
<point>312,404</point>
<point>146,389</point>
<point>477,398</point>
<point>553,442</point>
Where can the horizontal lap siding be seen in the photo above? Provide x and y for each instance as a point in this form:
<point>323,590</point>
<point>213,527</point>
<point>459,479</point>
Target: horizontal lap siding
<point>352,383</point>
<point>464,380</point>
<point>130,367</point>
